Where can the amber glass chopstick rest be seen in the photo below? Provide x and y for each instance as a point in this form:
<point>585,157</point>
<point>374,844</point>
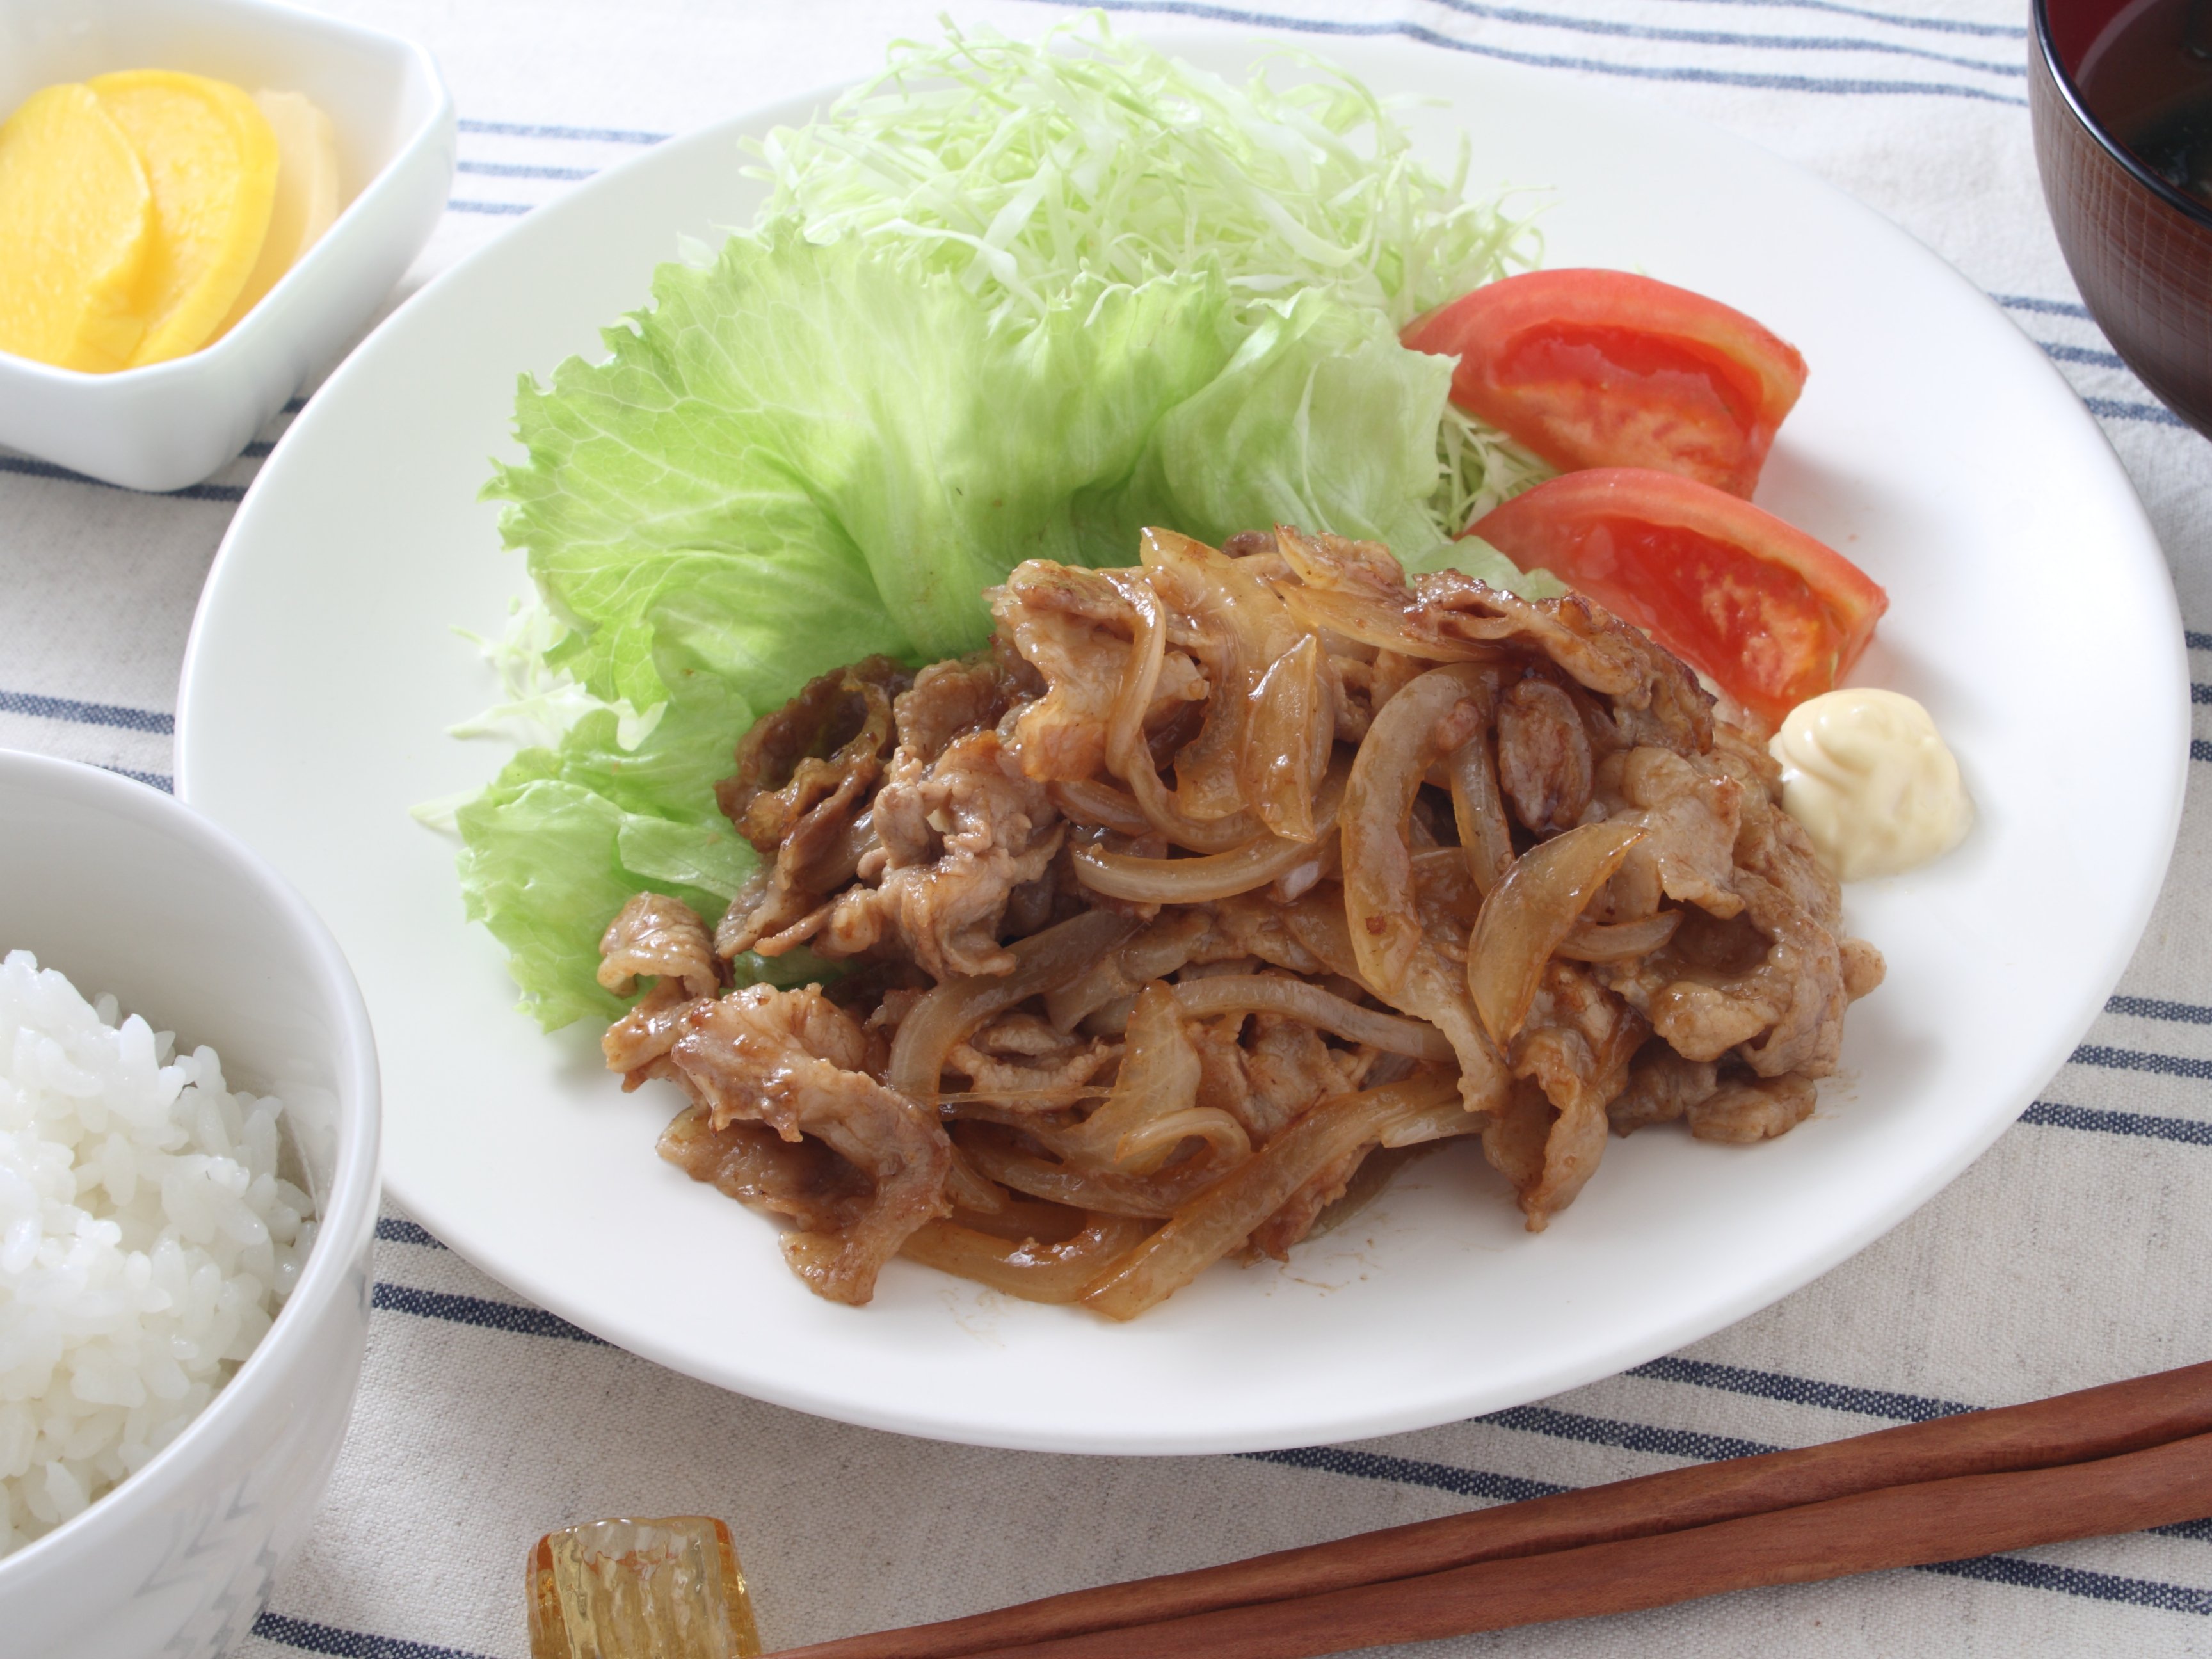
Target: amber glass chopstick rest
<point>670,1588</point>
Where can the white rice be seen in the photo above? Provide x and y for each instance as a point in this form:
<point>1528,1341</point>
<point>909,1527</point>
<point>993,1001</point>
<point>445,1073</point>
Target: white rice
<point>146,1241</point>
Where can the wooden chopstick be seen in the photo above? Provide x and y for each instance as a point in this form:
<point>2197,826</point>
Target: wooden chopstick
<point>2100,1423</point>
<point>1891,1526</point>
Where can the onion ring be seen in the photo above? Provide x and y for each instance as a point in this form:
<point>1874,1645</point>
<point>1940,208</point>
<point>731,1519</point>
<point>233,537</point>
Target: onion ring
<point>1136,769</point>
<point>1478,809</point>
<point>1380,909</point>
<point>1224,1214</point>
<point>1153,1108</point>
<point>1407,629</point>
<point>1530,912</point>
<point>1155,1196</point>
<point>958,1007</point>
<point>1263,858</point>
<point>1289,729</point>
<point>1086,800</point>
<point>1057,1273</point>
<point>1298,999</point>
<point>1622,941</point>
<point>1140,674</point>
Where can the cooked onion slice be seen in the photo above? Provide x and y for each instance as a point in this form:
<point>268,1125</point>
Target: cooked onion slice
<point>1478,809</point>
<point>958,1007</point>
<point>1407,629</point>
<point>1153,1108</point>
<point>1022,1220</point>
<point>1088,801</point>
<point>1027,1269</point>
<point>970,1191</point>
<point>1286,745</point>
<point>1155,953</point>
<point>1224,1216</point>
<point>1441,1121</point>
<point>1157,1196</point>
<point>1140,675</point>
<point>1433,715</point>
<point>1130,758</point>
<point>1623,941</point>
<point>1317,921</point>
<point>1228,770</point>
<point>1263,858</point>
<point>1277,994</point>
<point>1530,913</point>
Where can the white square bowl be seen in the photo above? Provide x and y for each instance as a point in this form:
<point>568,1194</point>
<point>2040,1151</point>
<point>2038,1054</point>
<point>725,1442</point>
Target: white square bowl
<point>171,424</point>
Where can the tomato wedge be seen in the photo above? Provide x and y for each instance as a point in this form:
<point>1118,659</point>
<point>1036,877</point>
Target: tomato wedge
<point>1605,368</point>
<point>1771,615</point>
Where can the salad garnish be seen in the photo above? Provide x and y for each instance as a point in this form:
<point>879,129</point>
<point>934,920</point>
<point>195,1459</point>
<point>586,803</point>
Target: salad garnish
<point>1012,300</point>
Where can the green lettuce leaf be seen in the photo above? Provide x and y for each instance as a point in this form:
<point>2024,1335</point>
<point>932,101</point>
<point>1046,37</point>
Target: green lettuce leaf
<point>542,871</point>
<point>1321,420</point>
<point>818,458</point>
<point>798,457</point>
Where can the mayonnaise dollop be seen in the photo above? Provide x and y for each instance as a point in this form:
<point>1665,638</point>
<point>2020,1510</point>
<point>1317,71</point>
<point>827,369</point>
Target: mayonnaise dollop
<point>1867,776</point>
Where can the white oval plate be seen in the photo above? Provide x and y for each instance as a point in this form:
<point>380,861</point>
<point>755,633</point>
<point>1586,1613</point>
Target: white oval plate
<point>1934,445</point>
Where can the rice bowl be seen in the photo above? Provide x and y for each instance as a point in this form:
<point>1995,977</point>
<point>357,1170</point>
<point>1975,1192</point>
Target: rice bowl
<point>146,1241</point>
<point>133,894</point>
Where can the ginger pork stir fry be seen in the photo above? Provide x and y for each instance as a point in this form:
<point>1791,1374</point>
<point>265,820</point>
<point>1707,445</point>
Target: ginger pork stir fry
<point>1212,879</point>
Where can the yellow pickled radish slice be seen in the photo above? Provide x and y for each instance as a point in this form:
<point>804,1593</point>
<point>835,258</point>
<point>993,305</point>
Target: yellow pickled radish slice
<point>75,227</point>
<point>211,159</point>
<point>307,198</point>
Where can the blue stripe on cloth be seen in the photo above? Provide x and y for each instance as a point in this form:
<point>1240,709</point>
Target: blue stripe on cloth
<point>2198,642</point>
<point>1629,1436</point>
<point>2200,750</point>
<point>1944,25</point>
<point>1548,60</point>
<point>88,713</point>
<point>2136,1060</point>
<point>160,781</point>
<point>590,135</point>
<point>2050,308</point>
<point>2112,409</point>
<point>1800,1390</point>
<point>2199,692</point>
<point>475,1310</point>
<point>2066,353</point>
<point>458,206</point>
<point>2053,1115</point>
<point>311,1637</point>
<point>393,1231</point>
<point>506,170</point>
<point>1333,1459</point>
<point>1718,37</point>
<point>2077,1580</point>
<point>24,467</point>
<point>1407,1472</point>
<point>2188,1013</point>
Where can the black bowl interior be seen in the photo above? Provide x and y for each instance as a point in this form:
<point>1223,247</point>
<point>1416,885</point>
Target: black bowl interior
<point>2065,30</point>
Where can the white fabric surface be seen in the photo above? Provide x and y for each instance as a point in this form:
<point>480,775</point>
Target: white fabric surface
<point>2071,1254</point>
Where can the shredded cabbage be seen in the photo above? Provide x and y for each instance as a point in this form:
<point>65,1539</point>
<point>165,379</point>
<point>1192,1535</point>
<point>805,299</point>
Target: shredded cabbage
<point>1020,169</point>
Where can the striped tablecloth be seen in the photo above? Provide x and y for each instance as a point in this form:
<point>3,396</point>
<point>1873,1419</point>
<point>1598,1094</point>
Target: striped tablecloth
<point>2073,1252</point>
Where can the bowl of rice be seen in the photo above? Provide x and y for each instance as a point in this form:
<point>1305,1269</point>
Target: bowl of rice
<point>188,1195</point>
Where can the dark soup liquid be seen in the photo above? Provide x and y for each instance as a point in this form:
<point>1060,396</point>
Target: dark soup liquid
<point>2148,79</point>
